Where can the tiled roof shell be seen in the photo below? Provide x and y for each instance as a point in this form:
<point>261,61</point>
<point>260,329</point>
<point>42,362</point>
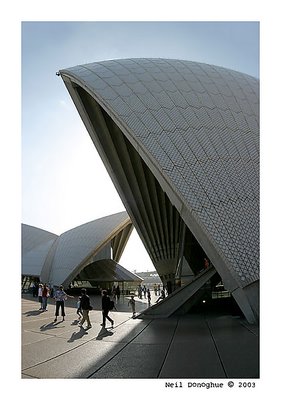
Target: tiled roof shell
<point>36,244</point>
<point>199,126</point>
<point>79,243</point>
<point>57,259</point>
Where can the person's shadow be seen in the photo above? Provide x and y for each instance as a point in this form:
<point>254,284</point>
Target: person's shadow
<point>31,313</point>
<point>51,325</point>
<point>103,333</point>
<point>77,335</point>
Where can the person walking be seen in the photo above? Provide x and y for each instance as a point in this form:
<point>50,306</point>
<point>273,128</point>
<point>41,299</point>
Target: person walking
<point>60,296</point>
<point>140,292</point>
<point>106,308</point>
<point>162,297</point>
<point>79,311</point>
<point>144,291</point>
<point>155,289</point>
<point>118,293</point>
<point>132,303</point>
<point>149,297</point>
<point>45,295</point>
<point>158,288</point>
<point>85,307</point>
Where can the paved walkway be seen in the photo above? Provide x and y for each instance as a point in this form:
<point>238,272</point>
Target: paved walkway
<point>190,346</point>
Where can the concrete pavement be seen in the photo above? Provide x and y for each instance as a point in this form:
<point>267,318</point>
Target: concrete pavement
<point>191,346</point>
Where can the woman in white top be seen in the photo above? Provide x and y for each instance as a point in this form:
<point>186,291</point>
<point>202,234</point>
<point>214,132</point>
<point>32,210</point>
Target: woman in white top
<point>60,296</point>
<point>40,290</point>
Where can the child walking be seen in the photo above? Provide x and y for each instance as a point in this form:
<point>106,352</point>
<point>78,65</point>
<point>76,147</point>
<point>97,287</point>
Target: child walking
<point>79,311</point>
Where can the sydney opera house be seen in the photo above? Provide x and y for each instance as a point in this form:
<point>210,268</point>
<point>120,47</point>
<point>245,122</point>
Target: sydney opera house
<point>86,255</point>
<point>180,141</point>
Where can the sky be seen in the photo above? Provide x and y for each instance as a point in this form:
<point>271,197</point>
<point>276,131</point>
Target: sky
<point>64,182</point>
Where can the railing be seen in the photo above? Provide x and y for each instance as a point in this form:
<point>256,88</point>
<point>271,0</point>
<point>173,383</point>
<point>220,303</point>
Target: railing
<point>221,294</point>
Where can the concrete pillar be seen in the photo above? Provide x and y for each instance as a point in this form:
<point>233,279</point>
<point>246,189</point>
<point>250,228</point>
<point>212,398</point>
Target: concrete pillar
<point>242,300</point>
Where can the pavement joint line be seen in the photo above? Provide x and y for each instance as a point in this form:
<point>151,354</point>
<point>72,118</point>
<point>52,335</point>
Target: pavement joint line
<point>126,344</point>
<point>168,349</point>
<point>30,376</point>
<point>46,336</point>
<point>35,319</point>
<point>216,347</point>
<point>79,345</point>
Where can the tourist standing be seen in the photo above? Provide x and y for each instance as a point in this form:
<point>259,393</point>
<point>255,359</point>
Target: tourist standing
<point>40,290</point>
<point>206,263</point>
<point>106,308</point>
<point>155,289</point>
<point>118,292</point>
<point>140,292</point>
<point>51,288</point>
<point>113,292</point>
<point>34,289</point>
<point>60,296</point>
<point>45,295</point>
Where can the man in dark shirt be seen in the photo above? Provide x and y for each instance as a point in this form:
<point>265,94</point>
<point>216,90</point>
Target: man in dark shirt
<point>85,307</point>
<point>106,308</point>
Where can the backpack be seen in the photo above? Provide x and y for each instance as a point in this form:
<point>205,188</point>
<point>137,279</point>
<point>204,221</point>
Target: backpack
<point>111,305</point>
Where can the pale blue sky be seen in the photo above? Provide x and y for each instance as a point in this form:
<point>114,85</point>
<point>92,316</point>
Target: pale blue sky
<point>64,183</point>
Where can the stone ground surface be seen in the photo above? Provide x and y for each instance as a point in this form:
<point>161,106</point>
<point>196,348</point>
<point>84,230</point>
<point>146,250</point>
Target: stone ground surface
<point>210,346</point>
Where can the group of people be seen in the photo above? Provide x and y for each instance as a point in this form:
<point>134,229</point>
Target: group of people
<point>145,292</point>
<point>43,293</point>
<point>84,307</point>
<point>157,289</point>
<point>83,304</point>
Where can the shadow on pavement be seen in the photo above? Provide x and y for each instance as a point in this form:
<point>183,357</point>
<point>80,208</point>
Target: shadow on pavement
<point>32,313</point>
<point>103,333</point>
<point>77,335</point>
<point>75,322</point>
<point>51,325</point>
